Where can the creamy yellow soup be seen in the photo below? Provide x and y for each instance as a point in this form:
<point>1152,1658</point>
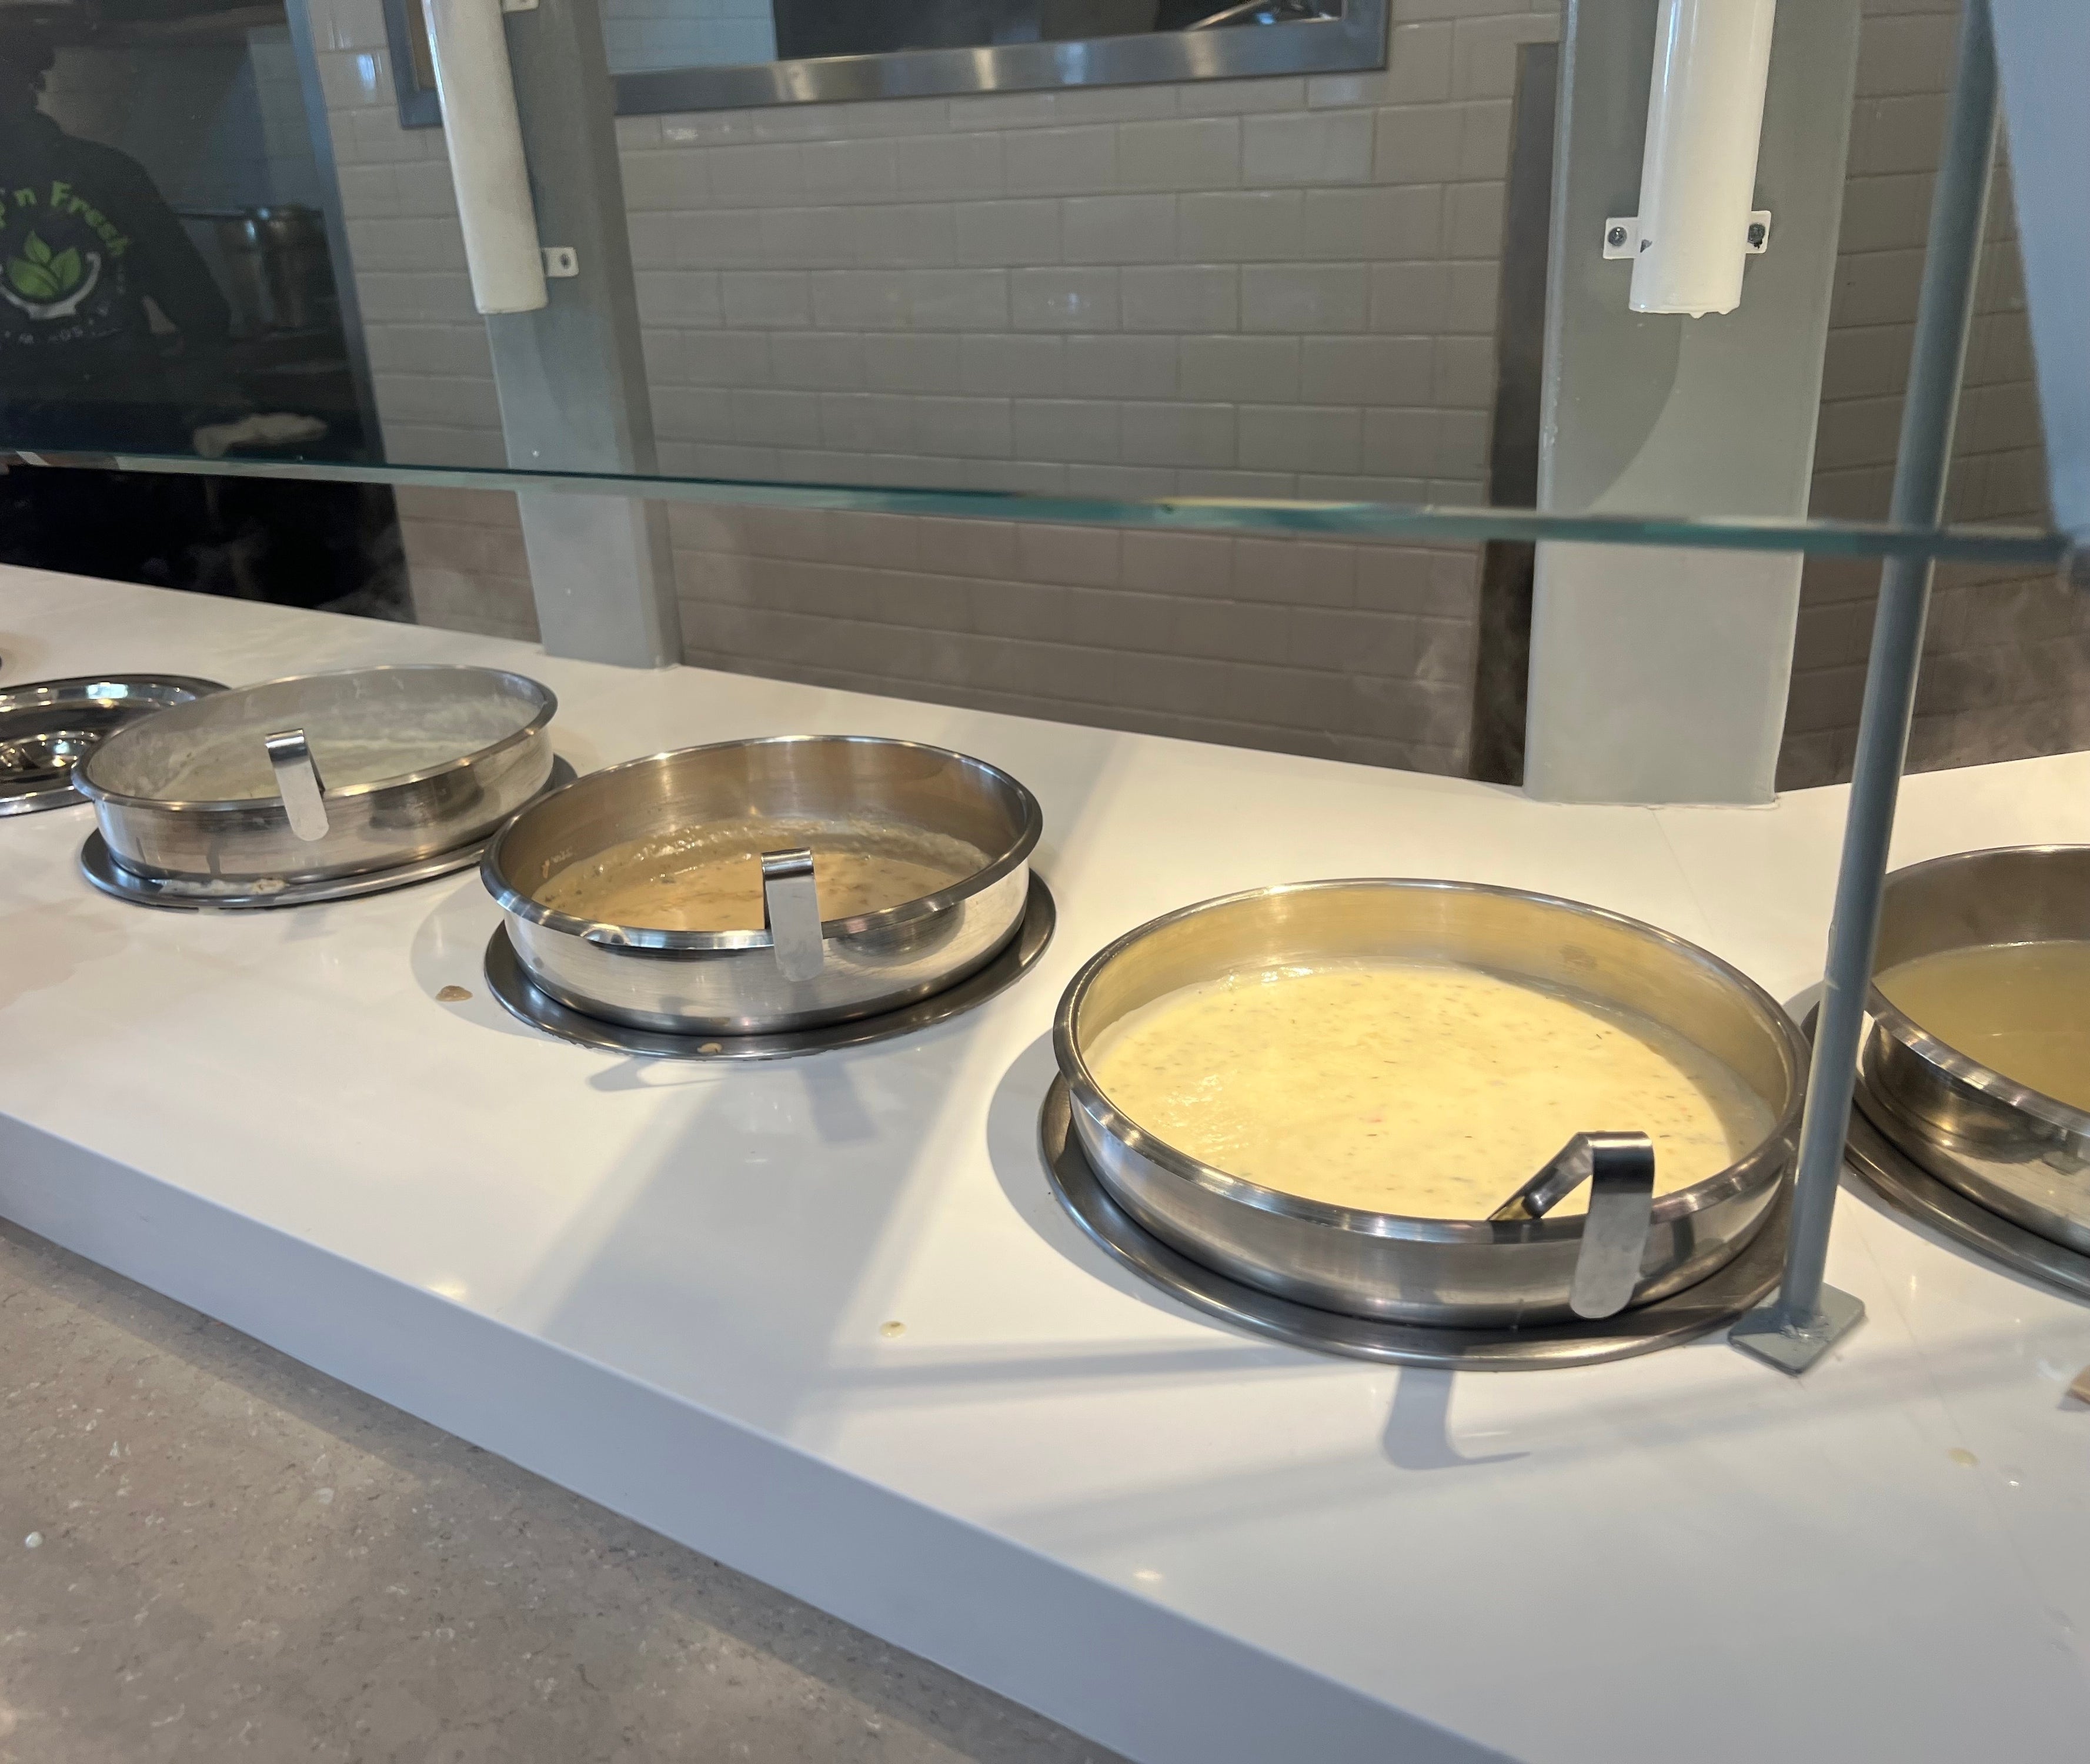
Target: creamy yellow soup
<point>710,879</point>
<point>1434,1091</point>
<point>2022,1009</point>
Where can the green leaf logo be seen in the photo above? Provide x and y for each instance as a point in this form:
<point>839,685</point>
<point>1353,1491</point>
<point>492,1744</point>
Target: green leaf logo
<point>41,274</point>
<point>32,279</point>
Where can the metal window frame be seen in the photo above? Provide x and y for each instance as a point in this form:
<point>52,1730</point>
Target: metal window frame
<point>1357,41</point>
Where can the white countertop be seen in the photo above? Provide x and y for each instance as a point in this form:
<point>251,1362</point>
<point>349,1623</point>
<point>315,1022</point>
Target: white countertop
<point>662,1284</point>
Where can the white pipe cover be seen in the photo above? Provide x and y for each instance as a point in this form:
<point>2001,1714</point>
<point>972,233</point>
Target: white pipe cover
<point>485,136</point>
<point>1698,171</point>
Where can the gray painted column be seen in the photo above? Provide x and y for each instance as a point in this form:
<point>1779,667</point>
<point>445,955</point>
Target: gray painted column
<point>571,378</point>
<point>1661,675</point>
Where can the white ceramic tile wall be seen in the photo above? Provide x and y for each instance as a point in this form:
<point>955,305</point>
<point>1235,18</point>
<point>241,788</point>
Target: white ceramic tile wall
<point>1269,286</point>
<point>2006,663</point>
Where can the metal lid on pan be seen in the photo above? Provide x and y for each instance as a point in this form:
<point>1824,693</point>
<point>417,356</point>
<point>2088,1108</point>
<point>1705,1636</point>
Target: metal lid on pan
<point>48,727</point>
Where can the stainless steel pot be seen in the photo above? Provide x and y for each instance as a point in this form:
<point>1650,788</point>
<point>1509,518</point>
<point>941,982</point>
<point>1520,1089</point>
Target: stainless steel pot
<point>2002,1143</point>
<point>321,775</point>
<point>1492,1273</point>
<point>798,972</point>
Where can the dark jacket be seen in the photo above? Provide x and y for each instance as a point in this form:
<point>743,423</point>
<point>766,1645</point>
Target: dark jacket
<point>85,239</point>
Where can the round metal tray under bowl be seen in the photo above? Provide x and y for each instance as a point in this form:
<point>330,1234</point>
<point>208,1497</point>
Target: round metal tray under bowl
<point>1905,1185</point>
<point>321,776</point>
<point>48,727</point>
<point>510,984</point>
<point>1715,1301</point>
<point>2007,1148</point>
<point>797,802</point>
<point>1466,1274</point>
<point>105,873</point>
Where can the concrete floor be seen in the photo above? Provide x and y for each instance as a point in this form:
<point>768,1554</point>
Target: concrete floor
<point>209,1552</point>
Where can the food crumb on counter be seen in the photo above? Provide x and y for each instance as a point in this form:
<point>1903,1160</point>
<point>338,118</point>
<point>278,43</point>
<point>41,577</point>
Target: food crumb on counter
<point>889,1330</point>
<point>452,995</point>
<point>1961,1455</point>
<point>2080,1389</point>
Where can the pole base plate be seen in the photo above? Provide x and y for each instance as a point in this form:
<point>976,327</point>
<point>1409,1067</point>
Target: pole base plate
<point>1771,1334</point>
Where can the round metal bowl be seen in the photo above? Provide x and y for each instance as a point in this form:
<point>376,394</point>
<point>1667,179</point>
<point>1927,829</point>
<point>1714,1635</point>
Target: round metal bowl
<point>1484,1273</point>
<point>734,982</point>
<point>395,764</point>
<point>2019,1152</point>
<point>48,727</point>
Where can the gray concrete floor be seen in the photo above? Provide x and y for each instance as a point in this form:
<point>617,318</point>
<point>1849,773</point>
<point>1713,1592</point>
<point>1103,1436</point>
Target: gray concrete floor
<point>209,1551</point>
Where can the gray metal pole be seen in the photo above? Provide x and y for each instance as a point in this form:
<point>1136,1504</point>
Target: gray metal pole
<point>1808,1316</point>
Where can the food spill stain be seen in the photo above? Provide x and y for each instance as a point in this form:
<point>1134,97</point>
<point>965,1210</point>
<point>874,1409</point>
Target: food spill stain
<point>1962,1456</point>
<point>452,995</point>
<point>889,1330</point>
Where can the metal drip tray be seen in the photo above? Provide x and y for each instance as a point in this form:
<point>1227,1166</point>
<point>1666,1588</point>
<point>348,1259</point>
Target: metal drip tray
<point>1906,1185</point>
<point>48,727</point>
<point>99,867</point>
<point>510,983</point>
<point>1711,1304</point>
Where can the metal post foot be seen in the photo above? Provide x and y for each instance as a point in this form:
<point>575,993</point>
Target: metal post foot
<point>1792,1345</point>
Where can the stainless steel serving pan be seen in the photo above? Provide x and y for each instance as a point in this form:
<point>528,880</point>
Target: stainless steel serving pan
<point>48,727</point>
<point>1484,1274</point>
<point>2015,1150</point>
<point>320,775</point>
<point>798,972</point>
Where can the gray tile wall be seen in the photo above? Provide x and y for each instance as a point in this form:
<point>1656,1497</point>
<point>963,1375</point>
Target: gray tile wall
<point>2006,663</point>
<point>1278,287</point>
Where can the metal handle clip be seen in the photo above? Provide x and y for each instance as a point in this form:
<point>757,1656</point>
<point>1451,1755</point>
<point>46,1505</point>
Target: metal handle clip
<point>1619,1168</point>
<point>791,908</point>
<point>298,778</point>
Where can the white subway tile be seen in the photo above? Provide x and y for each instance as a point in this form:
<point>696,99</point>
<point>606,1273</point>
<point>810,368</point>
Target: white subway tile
<point>1070,555</point>
<point>1023,366</point>
<point>1196,153</point>
<point>1136,484</point>
<point>1419,144</point>
<point>841,170</point>
<point>1176,434</point>
<point>916,364</point>
<point>1241,369</point>
<point>949,165</point>
<point>1240,225</point>
<point>726,358</point>
<point>1084,430</point>
<point>1119,367</point>
<point>664,180</point>
<point>1181,298</point>
<point>807,239</point>
<point>1464,375</point>
<point>957,299</point>
<point>766,299</point>
<point>1070,162</point>
<point>1014,234</point>
<point>1399,443</point>
<point>757,174</point>
<point>1232,97</point>
<point>1473,220</point>
<point>867,422</point>
<point>1316,147</point>
<point>967,428</point>
<point>860,299</point>
<point>909,233</point>
<point>817,361</point>
<point>1118,230</point>
<point>680,297</point>
<point>1304,297</point>
<point>1300,438</point>
<point>1068,300</point>
<point>1399,224</point>
<point>1418,62</point>
<point>1367,370</point>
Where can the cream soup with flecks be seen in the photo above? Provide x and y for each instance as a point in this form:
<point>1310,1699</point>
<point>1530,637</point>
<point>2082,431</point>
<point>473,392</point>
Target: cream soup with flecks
<point>1434,1091</point>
